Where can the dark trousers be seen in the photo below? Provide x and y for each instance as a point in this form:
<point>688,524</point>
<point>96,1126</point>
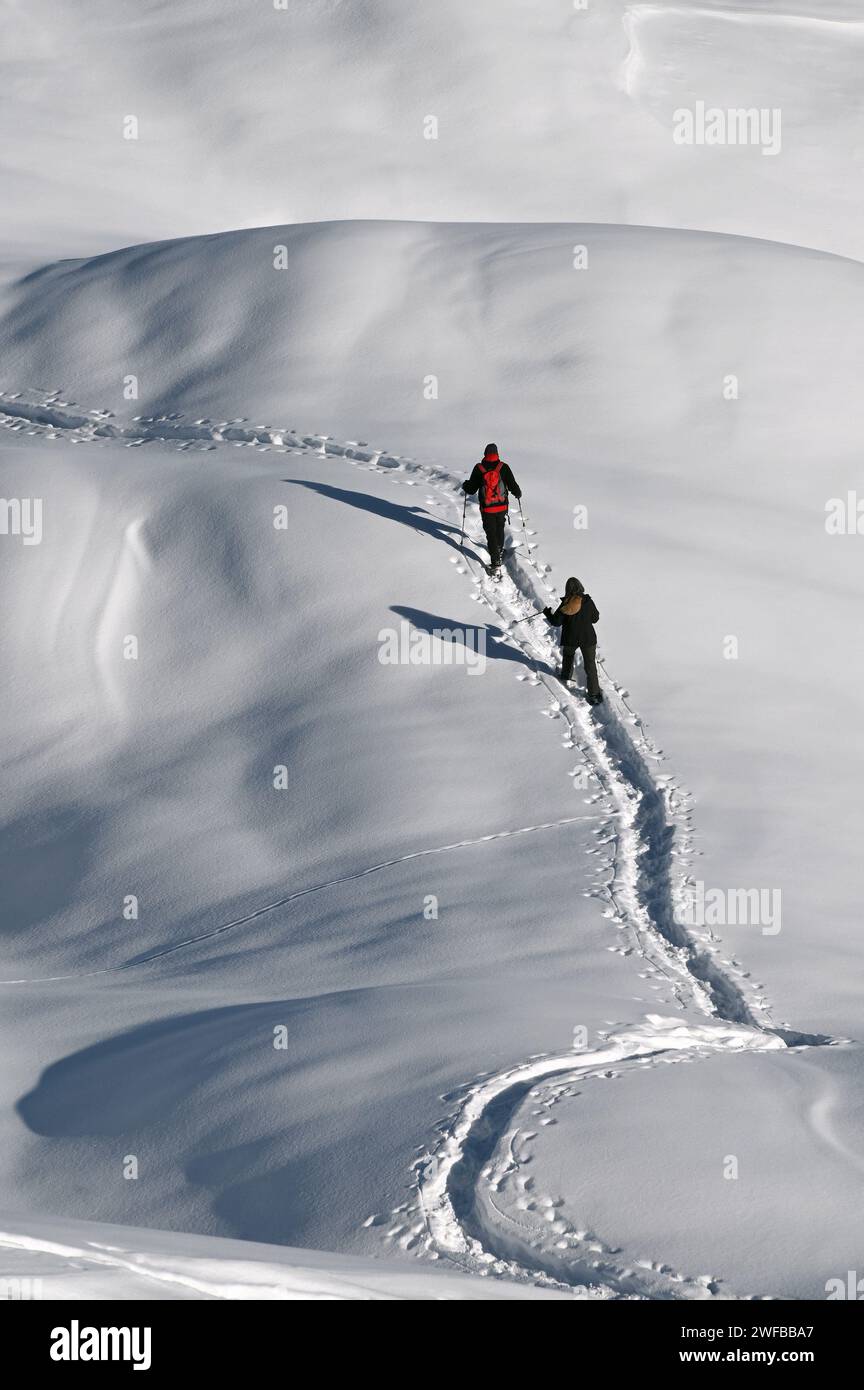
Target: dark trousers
<point>493,525</point>
<point>589,661</point>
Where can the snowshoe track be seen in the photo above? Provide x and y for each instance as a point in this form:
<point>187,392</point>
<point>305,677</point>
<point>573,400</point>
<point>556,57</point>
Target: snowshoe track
<point>646,832</point>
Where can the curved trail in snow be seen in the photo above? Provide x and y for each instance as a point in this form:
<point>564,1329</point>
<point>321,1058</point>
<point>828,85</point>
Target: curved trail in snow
<point>457,1183</point>
<point>649,825</point>
<point>647,818</point>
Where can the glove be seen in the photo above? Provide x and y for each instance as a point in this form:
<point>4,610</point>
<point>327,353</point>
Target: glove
<point>547,612</point>
<point>465,485</point>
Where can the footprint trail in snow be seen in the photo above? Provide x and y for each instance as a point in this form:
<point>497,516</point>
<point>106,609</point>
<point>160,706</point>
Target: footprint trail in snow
<point>642,846</point>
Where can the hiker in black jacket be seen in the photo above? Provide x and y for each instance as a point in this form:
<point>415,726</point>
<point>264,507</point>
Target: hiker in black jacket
<point>576,615</point>
<point>493,479</point>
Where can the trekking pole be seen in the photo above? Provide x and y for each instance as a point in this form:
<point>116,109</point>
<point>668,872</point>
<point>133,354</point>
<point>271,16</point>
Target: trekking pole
<point>462,535</point>
<point>524,527</point>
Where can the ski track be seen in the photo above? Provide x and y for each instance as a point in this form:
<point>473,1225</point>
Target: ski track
<point>208,1277</point>
<point>645,830</point>
<point>162,951</point>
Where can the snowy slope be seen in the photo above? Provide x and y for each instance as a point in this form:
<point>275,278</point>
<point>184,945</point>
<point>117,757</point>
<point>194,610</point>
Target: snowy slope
<point>61,1259</point>
<point>731,1168</point>
<point>156,779</point>
<point>425,1105</point>
<point>605,387</point>
<point>206,532</point>
<point>247,666</point>
<point>249,115</point>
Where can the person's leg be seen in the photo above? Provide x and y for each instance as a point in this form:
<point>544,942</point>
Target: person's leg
<point>489,530</point>
<point>493,525</point>
<point>567,655</point>
<point>500,518</point>
<point>589,661</point>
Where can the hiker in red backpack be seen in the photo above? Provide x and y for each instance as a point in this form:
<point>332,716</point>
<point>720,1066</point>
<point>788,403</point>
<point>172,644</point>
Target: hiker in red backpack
<point>493,479</point>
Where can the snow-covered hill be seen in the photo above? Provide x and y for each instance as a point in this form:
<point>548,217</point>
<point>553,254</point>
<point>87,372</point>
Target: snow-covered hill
<point>388,959</point>
<point>303,909</point>
<point>608,388</point>
<point>132,121</point>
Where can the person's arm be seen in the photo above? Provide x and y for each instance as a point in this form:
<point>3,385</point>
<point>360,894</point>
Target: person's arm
<point>556,618</point>
<point>510,481</point>
<point>472,484</point>
<point>593,614</point>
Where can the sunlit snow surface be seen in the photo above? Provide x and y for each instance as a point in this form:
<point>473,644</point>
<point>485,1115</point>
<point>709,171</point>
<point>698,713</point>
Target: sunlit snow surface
<point>283,1042</point>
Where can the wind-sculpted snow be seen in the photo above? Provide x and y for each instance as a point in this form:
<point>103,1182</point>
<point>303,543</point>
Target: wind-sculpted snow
<point>290,898</point>
<point>650,824</point>
<point>643,840</point>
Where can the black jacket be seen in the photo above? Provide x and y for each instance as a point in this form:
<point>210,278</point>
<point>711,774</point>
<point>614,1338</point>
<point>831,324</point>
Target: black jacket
<point>473,483</point>
<point>577,629</point>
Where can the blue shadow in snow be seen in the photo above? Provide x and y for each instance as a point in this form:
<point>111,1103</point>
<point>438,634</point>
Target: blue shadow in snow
<point>497,647</point>
<point>415,517</point>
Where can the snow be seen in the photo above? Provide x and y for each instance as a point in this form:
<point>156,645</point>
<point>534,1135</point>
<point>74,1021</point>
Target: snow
<point>252,116</point>
<point>728,1193</point>
<point>329,1050</point>
<point>72,1260</point>
<point>160,794</point>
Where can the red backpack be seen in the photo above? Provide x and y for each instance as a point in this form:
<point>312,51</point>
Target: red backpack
<point>493,490</point>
